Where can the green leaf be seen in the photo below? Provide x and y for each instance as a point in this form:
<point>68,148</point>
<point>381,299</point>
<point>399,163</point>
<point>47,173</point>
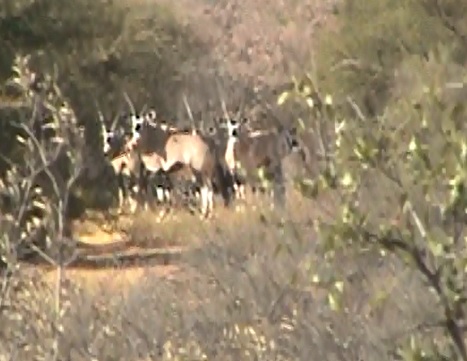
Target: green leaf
<point>301,123</point>
<point>413,145</point>
<point>315,279</point>
<point>436,247</point>
<point>339,285</point>
<point>283,98</point>
<point>347,180</point>
<point>334,300</point>
<point>306,90</point>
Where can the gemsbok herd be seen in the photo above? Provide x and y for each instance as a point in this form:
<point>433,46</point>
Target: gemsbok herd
<point>151,158</point>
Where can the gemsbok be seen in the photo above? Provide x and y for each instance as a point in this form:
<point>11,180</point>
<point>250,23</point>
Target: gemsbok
<point>126,169</point>
<point>252,152</point>
<point>134,171</point>
<point>183,148</point>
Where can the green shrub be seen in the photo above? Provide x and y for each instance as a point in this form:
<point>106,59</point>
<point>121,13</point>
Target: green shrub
<point>400,182</point>
<point>360,58</point>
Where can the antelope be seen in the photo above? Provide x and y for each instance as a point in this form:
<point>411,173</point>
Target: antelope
<point>178,148</point>
<point>133,170</point>
<point>154,166</point>
<point>126,168</point>
<point>253,151</point>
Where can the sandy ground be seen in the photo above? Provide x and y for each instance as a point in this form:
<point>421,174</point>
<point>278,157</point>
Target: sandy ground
<point>111,276</point>
<point>97,233</point>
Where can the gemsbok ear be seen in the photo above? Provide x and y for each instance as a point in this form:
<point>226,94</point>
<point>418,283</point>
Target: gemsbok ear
<point>163,125</point>
<point>221,122</point>
<point>151,115</point>
<point>212,131</point>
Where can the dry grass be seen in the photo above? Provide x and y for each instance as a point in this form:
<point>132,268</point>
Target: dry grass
<point>251,271</point>
<point>179,228</point>
<point>183,228</point>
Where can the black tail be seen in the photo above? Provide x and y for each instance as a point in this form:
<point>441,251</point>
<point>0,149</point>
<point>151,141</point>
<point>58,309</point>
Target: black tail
<point>224,182</point>
<point>279,185</point>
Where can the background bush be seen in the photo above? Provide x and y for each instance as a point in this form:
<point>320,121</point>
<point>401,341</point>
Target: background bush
<point>361,55</point>
<point>380,92</point>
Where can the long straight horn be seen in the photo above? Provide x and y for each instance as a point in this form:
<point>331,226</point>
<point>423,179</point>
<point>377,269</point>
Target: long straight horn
<point>223,106</point>
<point>101,119</point>
<point>104,131</point>
<point>101,116</point>
<point>190,114</point>
<point>114,123</point>
<point>130,103</point>
<point>99,111</point>
<point>201,124</point>
<point>116,118</point>
<point>241,108</point>
<point>224,109</point>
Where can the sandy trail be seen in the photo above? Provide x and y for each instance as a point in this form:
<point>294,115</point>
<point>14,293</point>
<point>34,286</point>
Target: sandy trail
<point>118,277</point>
<point>94,233</point>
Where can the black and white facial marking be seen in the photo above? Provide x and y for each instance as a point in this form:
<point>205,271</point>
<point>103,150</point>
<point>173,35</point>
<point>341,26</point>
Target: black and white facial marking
<point>136,122</point>
<point>108,138</point>
<point>233,126</point>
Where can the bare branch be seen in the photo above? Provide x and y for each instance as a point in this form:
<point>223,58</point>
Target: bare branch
<point>356,108</point>
<point>356,64</point>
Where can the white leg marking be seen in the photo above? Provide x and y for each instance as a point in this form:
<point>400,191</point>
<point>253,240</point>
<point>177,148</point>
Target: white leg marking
<point>133,204</point>
<point>120,198</point>
<point>160,194</point>
<point>210,200</point>
<point>204,199</point>
<point>167,195</point>
<point>241,191</point>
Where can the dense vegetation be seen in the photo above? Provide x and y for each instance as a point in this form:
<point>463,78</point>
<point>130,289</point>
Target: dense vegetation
<point>393,81</point>
<point>376,271</point>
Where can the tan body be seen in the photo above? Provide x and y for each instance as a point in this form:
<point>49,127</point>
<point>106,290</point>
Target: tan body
<point>186,149</point>
<point>250,152</point>
<point>190,150</point>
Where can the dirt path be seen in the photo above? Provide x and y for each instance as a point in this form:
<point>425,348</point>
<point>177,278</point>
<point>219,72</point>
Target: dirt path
<point>184,231</point>
<point>115,274</point>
